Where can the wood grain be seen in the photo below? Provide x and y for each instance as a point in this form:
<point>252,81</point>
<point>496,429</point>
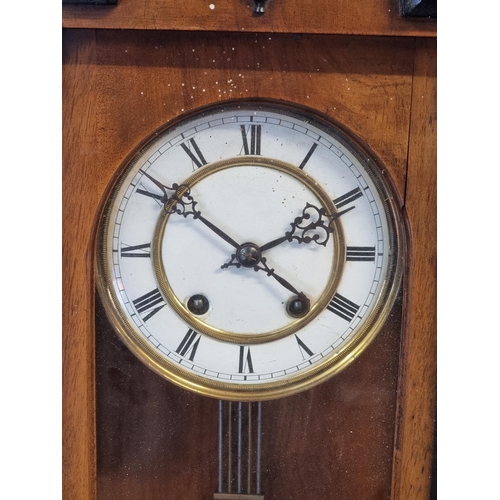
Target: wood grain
<point>350,17</point>
<point>156,441</point>
<point>363,83</point>
<point>417,387</point>
<point>119,86</point>
<point>79,201</point>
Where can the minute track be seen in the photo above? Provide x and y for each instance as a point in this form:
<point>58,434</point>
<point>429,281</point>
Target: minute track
<point>163,240</point>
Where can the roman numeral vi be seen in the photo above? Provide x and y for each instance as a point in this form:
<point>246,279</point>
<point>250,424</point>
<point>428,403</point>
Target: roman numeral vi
<point>245,363</point>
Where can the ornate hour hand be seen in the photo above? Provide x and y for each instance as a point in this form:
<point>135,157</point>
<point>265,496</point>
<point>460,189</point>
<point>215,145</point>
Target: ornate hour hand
<point>314,225</point>
<point>164,189</point>
<point>180,202</point>
<point>184,204</point>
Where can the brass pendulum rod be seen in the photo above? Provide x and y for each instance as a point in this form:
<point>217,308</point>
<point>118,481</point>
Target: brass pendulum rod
<point>239,428</point>
<point>221,445</point>
<point>259,445</point>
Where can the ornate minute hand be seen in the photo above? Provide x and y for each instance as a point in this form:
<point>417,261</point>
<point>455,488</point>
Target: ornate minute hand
<point>317,231</point>
<point>249,255</point>
<point>180,201</point>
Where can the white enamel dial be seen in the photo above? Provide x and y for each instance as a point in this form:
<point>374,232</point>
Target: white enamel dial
<point>249,251</point>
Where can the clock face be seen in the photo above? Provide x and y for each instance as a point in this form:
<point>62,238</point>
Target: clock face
<point>249,251</point>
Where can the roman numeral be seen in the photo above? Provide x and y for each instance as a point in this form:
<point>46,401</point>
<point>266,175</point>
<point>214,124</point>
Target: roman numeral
<point>343,307</point>
<point>347,198</point>
<point>303,348</point>
<point>195,154</point>
<point>130,251</point>
<point>245,363</point>
<point>252,147</point>
<point>147,302</point>
<point>150,195</point>
<point>308,155</point>
<point>189,344</point>
<point>360,254</point>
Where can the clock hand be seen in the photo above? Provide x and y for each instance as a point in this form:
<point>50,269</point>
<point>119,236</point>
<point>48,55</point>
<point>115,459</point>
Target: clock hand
<point>214,228</point>
<point>279,279</point>
<point>181,202</point>
<point>317,231</point>
<point>162,187</point>
<point>250,255</point>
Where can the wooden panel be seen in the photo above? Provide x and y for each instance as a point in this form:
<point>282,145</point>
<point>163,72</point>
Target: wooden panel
<point>79,200</point>
<point>157,441</point>
<point>361,17</point>
<point>417,409</point>
<point>364,83</point>
<point>118,87</point>
<point>91,2</point>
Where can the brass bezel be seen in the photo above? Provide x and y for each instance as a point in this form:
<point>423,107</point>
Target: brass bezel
<point>319,373</point>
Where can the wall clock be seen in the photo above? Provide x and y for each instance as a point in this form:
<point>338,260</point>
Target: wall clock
<point>123,84</point>
<point>249,251</point>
